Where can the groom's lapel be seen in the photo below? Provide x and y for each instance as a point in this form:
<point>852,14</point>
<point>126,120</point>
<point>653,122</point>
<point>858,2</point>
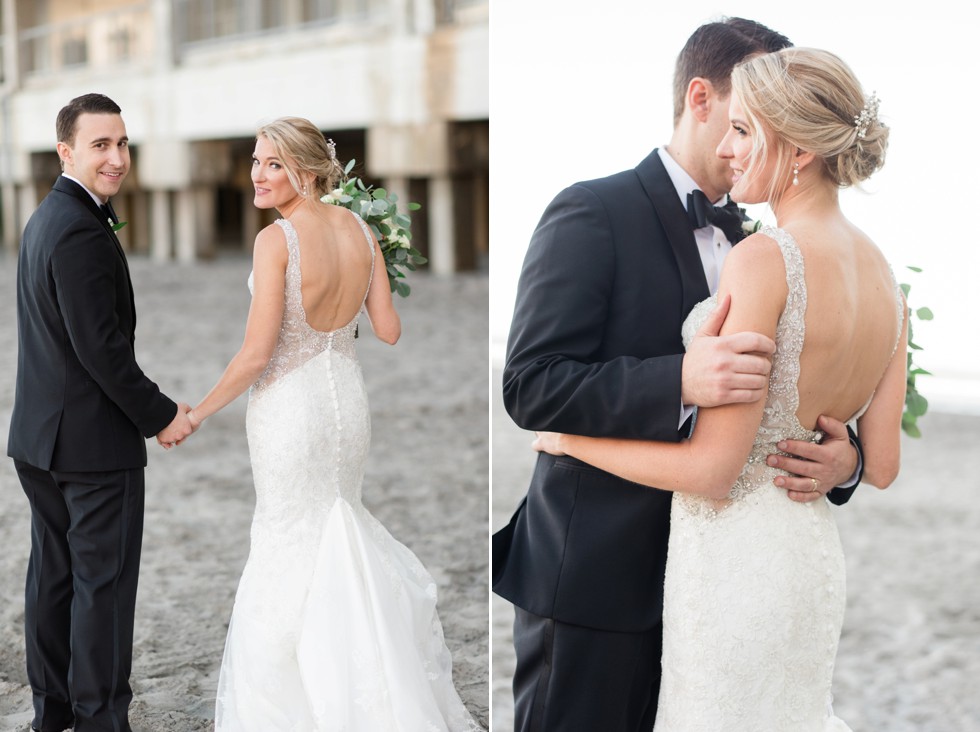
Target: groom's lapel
<point>71,188</point>
<point>658,186</point>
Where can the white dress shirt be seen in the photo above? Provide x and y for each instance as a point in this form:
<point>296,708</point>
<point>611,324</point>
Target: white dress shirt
<point>713,245</point>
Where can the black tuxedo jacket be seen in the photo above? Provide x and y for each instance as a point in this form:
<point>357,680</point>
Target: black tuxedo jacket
<point>82,403</point>
<point>595,349</point>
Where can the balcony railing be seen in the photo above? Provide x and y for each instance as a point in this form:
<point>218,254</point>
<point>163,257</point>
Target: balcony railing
<point>203,21</point>
<point>107,39</point>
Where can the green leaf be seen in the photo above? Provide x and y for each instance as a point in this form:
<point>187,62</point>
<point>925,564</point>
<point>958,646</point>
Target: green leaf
<point>916,403</point>
<point>403,289</point>
<point>923,314</point>
<point>414,206</point>
<point>905,289</point>
<point>380,193</point>
<point>914,269</point>
<point>911,429</point>
<point>349,167</point>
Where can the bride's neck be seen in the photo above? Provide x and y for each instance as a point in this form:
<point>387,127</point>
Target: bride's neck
<point>291,206</point>
<point>807,202</point>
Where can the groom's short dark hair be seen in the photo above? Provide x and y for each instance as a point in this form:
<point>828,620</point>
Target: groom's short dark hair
<point>715,48</point>
<point>66,124</point>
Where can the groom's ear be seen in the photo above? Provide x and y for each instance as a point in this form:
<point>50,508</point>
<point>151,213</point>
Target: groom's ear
<point>700,96</point>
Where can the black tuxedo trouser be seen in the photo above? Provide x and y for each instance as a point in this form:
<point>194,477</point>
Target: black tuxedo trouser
<point>574,679</point>
<point>86,536</point>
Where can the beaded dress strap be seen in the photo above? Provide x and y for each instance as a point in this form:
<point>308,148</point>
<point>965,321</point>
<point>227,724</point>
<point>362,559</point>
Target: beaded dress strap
<point>791,328</point>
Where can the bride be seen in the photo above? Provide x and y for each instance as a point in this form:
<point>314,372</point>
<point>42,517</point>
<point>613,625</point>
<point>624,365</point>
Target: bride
<point>334,625</point>
<point>754,588</point>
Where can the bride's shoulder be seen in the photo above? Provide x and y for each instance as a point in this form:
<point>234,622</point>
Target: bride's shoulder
<point>270,244</point>
<point>754,272</point>
<point>757,253</point>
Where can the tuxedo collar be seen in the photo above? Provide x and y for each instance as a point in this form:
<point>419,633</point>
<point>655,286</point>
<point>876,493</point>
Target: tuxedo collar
<point>670,209</point>
<point>98,201</point>
<point>72,187</point>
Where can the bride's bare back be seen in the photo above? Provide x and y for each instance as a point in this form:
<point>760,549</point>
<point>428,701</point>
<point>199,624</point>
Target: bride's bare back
<point>852,320</point>
<point>335,261</point>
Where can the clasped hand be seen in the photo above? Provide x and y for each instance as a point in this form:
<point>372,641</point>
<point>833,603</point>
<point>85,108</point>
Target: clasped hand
<point>184,424</point>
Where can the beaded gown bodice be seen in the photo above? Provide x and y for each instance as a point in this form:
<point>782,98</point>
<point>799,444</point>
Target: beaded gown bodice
<point>334,627</point>
<point>755,586</point>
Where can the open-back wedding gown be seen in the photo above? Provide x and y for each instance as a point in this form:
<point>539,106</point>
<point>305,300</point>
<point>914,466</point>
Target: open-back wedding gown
<point>334,627</point>
<point>754,587</point>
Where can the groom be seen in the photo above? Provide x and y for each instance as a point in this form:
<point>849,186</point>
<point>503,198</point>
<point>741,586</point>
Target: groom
<point>614,267</point>
<point>82,411</point>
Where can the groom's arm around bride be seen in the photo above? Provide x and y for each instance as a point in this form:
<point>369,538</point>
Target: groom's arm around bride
<point>595,348</point>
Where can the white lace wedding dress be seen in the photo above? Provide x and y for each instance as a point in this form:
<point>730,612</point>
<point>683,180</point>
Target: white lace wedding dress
<point>754,588</point>
<point>334,627</point>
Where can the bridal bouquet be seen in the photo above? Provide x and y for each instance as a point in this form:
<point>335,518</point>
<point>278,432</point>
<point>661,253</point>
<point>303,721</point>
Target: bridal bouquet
<point>915,404</point>
<point>391,227</point>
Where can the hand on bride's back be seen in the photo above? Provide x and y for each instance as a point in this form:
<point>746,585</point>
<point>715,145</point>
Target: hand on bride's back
<point>726,369</point>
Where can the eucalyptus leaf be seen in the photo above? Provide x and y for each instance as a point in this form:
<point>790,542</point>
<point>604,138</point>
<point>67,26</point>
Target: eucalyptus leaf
<point>917,404</point>
<point>392,228</point>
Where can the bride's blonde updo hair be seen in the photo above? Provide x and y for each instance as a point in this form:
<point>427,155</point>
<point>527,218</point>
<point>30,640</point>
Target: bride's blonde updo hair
<point>302,148</point>
<point>810,99</point>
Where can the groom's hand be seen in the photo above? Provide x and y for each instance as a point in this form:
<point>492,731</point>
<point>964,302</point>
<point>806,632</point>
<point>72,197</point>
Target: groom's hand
<point>175,432</point>
<point>728,369</point>
<point>816,469</point>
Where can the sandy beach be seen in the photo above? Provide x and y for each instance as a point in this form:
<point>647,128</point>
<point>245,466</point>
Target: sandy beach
<point>910,650</point>
<point>426,481</point>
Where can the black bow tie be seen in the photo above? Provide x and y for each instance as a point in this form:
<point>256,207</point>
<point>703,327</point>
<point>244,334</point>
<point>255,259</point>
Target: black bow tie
<point>728,218</point>
<point>108,212</point>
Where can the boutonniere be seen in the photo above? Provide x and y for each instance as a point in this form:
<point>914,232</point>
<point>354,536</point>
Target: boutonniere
<point>117,227</point>
<point>749,226</point>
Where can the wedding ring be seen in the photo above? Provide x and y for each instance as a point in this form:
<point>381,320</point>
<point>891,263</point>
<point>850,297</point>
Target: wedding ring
<point>814,481</point>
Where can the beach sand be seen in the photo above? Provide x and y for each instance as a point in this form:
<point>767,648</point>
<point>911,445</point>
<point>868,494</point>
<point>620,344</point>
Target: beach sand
<point>910,650</point>
<point>426,481</point>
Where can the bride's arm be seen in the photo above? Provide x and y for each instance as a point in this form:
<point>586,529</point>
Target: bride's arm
<point>709,463</point>
<point>381,311</point>
<point>880,427</point>
<point>269,259</point>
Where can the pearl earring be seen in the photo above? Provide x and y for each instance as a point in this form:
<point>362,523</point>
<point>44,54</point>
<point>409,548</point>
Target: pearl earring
<point>796,174</point>
<point>304,190</point>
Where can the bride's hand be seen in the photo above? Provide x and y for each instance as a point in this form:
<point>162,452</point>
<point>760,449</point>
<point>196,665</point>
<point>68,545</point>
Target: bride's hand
<point>549,442</point>
<point>195,422</point>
